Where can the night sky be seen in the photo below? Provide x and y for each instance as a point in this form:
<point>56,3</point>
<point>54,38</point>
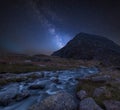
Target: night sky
<point>44,26</point>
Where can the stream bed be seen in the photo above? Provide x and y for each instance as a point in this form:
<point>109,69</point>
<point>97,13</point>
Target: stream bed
<point>22,95</point>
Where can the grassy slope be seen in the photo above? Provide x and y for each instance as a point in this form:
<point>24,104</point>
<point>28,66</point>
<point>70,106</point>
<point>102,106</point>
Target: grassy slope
<point>55,63</point>
<point>112,86</point>
<point>17,65</point>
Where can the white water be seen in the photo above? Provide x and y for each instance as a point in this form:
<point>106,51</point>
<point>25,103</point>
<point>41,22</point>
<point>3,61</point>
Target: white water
<point>67,82</point>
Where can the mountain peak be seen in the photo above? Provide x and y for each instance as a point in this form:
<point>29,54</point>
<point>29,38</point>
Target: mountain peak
<point>89,46</point>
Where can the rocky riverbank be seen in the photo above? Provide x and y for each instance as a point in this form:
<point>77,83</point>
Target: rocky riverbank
<point>84,88</point>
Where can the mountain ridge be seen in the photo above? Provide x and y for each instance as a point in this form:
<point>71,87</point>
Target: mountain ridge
<point>89,47</point>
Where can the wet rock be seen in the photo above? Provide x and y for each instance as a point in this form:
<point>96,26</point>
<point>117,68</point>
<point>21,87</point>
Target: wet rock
<point>82,79</point>
<point>42,96</point>
<point>39,84</point>
<point>89,104</point>
<point>35,75</point>
<point>54,79</point>
<point>50,74</point>
<point>22,95</point>
<point>59,101</point>
<point>52,91</point>
<point>82,94</point>
<point>102,79</point>
<point>100,91</point>
<point>11,94</point>
<point>7,96</point>
<point>36,86</point>
<point>112,105</point>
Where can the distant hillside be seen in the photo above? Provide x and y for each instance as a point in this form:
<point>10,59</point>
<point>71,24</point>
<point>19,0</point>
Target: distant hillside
<point>91,47</point>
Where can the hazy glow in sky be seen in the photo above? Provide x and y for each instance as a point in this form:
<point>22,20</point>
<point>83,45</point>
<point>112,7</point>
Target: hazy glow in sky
<point>42,13</point>
<point>56,38</point>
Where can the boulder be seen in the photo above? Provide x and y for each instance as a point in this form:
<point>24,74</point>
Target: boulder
<point>82,94</point>
<point>54,79</point>
<point>6,97</point>
<point>59,101</point>
<point>36,86</point>
<point>100,91</point>
<point>89,104</point>
<point>22,95</point>
<point>101,79</point>
<point>11,94</point>
<point>35,75</point>
<point>112,105</point>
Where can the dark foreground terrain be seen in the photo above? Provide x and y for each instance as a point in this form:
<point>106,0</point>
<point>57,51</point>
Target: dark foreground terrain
<point>68,85</point>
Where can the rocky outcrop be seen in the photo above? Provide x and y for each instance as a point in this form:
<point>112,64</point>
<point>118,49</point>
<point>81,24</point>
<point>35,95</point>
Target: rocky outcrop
<point>112,105</point>
<point>89,104</point>
<point>59,101</point>
<point>54,79</point>
<point>82,94</point>
<point>12,94</point>
<point>36,86</point>
<point>100,91</point>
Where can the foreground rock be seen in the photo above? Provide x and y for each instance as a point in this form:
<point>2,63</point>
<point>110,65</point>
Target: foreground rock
<point>100,91</point>
<point>36,86</point>
<point>59,101</point>
<point>54,79</point>
<point>12,94</point>
<point>112,105</point>
<point>82,94</point>
<point>89,104</point>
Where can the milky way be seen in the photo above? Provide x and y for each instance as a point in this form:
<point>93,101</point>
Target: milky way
<point>45,13</point>
<point>44,26</point>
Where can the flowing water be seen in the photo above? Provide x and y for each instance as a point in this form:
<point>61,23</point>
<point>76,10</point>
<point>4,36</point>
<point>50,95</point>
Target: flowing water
<point>52,82</point>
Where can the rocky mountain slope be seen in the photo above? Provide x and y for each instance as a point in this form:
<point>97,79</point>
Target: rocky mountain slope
<point>91,47</point>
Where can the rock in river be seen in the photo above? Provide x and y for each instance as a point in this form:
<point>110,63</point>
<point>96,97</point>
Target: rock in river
<point>59,101</point>
<point>36,86</point>
<point>89,104</point>
<point>11,94</point>
<point>82,94</point>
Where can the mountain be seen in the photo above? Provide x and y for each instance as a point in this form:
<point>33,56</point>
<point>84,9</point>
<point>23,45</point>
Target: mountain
<point>90,47</point>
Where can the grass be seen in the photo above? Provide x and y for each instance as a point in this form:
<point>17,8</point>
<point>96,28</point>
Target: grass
<point>18,68</point>
<point>52,63</point>
<point>7,80</point>
<point>89,87</point>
